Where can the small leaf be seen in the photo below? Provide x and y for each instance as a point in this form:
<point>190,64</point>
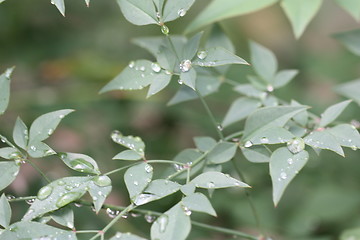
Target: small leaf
<point>214,180</point>
<point>198,202</point>
<point>204,144</point>
<point>8,172</point>
<point>159,84</point>
<point>137,178</point>
<point>188,156</point>
<point>283,77</point>
<point>126,236</point>
<point>217,11</point>
<point>300,13</point>
<point>189,78</point>
<point>64,217</point>
<point>302,117</point>
<point>188,188</point>
<point>240,109</point>
<point>168,225</point>
<point>45,125</point>
<point>324,140</point>
<point>99,188</point>
<point>192,46</point>
<point>20,133</point>
<point>35,230</point>
<point>351,234</point>
<point>133,143</point>
<point>39,150</point>
<point>350,40</point>
<point>60,6</point>
<point>256,154</point>
<point>152,44</point>
<point>332,112</point>
<point>219,56</point>
<point>138,12</point>
<point>5,211</point>
<point>351,6</point>
<point>250,91</point>
<point>80,162</point>
<point>129,155</point>
<point>5,89</point>
<point>350,90</point>
<point>346,135</point>
<point>175,9</point>
<point>10,153</point>
<point>284,166</point>
<point>222,152</point>
<point>263,61</point>
<point>272,135</point>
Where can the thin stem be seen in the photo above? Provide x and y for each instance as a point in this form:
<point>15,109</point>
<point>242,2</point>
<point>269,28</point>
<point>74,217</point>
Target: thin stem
<point>38,170</point>
<point>21,199</point>
<point>120,169</point>
<point>110,224</point>
<point>86,231</point>
<point>212,118</point>
<point>196,162</point>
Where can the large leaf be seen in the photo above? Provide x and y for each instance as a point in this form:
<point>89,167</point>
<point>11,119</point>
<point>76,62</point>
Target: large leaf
<point>221,9</point>
<point>268,117</point>
<point>350,89</point>
<point>351,40</point>
<point>300,13</point>
<point>351,6</point>
<point>214,180</point>
<point>240,109</point>
<point>174,224</point>
<point>272,135</point>
<point>218,56</point>
<point>222,152</point>
<point>324,140</point>
<point>5,211</point>
<point>284,166</point>
<point>5,90</point>
<point>80,162</point>
<point>138,12</point>
<point>263,61</point>
<point>198,202</point>
<point>34,230</point>
<point>332,112</point>
<point>8,172</point>
<point>137,178</point>
<point>346,135</point>
<point>174,9</point>
<point>204,144</point>
<point>60,6</point>
<point>20,133</point>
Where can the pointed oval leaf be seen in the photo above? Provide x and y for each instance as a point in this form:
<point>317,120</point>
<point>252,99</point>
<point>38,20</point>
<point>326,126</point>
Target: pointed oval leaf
<point>350,40</point>
<point>5,211</point>
<point>222,152</point>
<point>60,6</point>
<point>264,61</point>
<point>351,6</point>
<point>283,77</point>
<point>324,140</point>
<point>159,84</point>
<point>284,166</point>
<point>174,9</point>
<point>133,143</point>
<point>204,144</point>
<point>192,46</point>
<point>5,89</point>
<point>332,112</point>
<point>99,188</point>
<point>346,135</point>
<point>189,78</point>
<point>162,187</point>
<point>152,44</point>
<point>240,109</point>
<point>39,150</point>
<point>214,180</point>
<point>137,178</point>
<point>272,135</point>
<point>8,172</point>
<point>64,216</point>
<point>128,155</point>
<point>10,153</point>
<point>250,91</point>
<point>350,89</point>
<point>300,13</point>
<point>20,133</point>
<point>138,12</point>
<point>198,202</point>
<point>256,154</point>
<point>219,56</point>
<point>80,162</point>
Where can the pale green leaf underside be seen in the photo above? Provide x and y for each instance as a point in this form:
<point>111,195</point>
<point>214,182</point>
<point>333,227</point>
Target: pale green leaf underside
<point>173,8</point>
<point>214,180</point>
<point>219,56</point>
<point>20,133</point>
<point>8,172</point>
<point>264,61</point>
<point>5,90</point>
<point>204,144</point>
<point>240,109</point>
<point>324,140</point>
<point>128,155</point>
<point>272,135</point>
<point>64,216</point>
<point>5,211</point>
<point>222,152</point>
<point>198,202</point>
<point>283,77</point>
<point>256,154</point>
<point>332,112</point>
<point>80,162</point>
<point>60,6</point>
<point>138,12</point>
<point>137,178</point>
<point>346,135</point>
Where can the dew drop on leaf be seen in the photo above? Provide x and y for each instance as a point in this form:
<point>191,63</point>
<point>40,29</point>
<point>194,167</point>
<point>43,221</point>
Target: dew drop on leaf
<point>264,140</point>
<point>185,65</point>
<point>131,64</point>
<point>248,144</point>
<point>149,218</point>
<point>296,145</point>
<point>102,181</point>
<point>163,222</point>
<point>181,12</point>
<point>202,55</point>
<point>155,67</point>
<point>67,198</point>
<point>165,30</point>
<point>148,168</point>
<point>30,201</point>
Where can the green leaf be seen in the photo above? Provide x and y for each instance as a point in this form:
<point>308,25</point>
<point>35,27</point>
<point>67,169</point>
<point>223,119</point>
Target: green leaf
<point>189,78</point>
<point>300,13</point>
<point>5,211</point>
<point>137,178</point>
<point>324,140</point>
<point>159,84</point>
<point>352,7</point>
<point>8,173</point>
<point>346,135</point>
<point>284,166</point>
<point>174,224</point>
<point>45,125</point>
<point>283,77</point>
<point>198,202</point>
<point>152,44</point>
<point>217,11</point>
<point>64,216</point>
<point>138,12</point>
<point>214,180</point>
<point>350,40</point>
<point>350,90</point>
<point>5,89</point>
<point>20,133</point>
<point>302,117</point>
<point>204,144</point>
<point>80,162</point>
<point>188,188</point>
<point>174,9</point>
<point>126,236</point>
<point>263,61</point>
<point>351,234</point>
<point>218,56</point>
<point>269,117</point>
<point>240,109</point>
<point>39,150</point>
<point>129,155</point>
<point>168,53</point>
<point>250,91</point>
<point>256,154</point>
<point>99,189</point>
<point>10,153</point>
<point>131,142</point>
<point>332,112</point>
<point>192,46</point>
<point>34,230</point>
<point>222,152</point>
<point>272,135</point>
<point>60,6</point>
<point>188,156</point>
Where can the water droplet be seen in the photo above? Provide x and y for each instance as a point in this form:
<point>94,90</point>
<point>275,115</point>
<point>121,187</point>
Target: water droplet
<point>50,131</point>
<point>210,184</point>
<point>270,88</point>
<point>163,222</point>
<point>102,181</point>
<point>142,68</point>
<point>68,187</point>
<point>283,175</point>
<point>290,161</point>
<point>180,81</point>
<point>67,198</point>
<point>81,165</point>
<point>178,167</point>
<point>30,201</point>
<point>131,64</point>
<point>9,197</point>
<point>3,139</point>
<point>135,215</point>
<point>167,72</point>
<point>144,198</point>
<point>136,183</point>
<point>61,116</point>
<point>148,168</point>
<point>15,155</point>
<point>33,148</point>
<point>202,55</point>
<point>264,140</point>
<point>155,67</point>
<point>78,204</point>
<point>149,218</point>
<point>296,145</point>
<point>165,30</point>
<point>158,15</point>
<point>248,144</point>
<point>181,12</point>
<point>44,192</point>
<point>220,127</point>
<point>353,147</point>
<point>185,65</point>
<point>112,213</point>
<point>187,211</point>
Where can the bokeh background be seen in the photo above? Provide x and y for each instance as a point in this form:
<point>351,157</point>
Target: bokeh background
<point>64,62</point>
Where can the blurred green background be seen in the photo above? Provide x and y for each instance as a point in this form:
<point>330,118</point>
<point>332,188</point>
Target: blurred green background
<point>64,62</point>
